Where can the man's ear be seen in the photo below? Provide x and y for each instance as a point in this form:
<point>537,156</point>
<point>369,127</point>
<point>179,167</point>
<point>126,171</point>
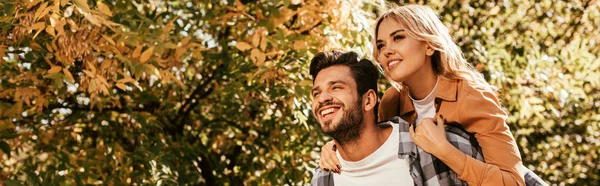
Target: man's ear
<point>370,100</point>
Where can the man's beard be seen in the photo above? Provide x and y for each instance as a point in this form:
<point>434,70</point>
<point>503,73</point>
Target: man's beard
<point>350,126</point>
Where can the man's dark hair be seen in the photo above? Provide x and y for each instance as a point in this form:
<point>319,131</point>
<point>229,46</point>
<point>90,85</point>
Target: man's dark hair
<point>363,71</point>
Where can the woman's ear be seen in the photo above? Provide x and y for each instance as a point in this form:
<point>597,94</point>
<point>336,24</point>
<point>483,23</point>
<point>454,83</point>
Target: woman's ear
<point>370,100</point>
<point>429,50</point>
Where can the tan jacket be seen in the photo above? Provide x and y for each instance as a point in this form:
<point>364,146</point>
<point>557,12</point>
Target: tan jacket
<point>478,112</point>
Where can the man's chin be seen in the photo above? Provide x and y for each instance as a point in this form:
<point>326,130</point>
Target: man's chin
<point>327,126</point>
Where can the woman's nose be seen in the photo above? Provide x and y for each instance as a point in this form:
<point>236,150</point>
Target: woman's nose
<point>387,52</point>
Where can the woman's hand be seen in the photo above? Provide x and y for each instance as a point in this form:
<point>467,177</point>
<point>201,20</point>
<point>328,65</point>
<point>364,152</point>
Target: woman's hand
<point>430,135</point>
<point>329,160</point>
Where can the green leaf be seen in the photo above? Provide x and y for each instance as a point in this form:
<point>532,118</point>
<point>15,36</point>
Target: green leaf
<point>5,148</point>
<point>12,183</point>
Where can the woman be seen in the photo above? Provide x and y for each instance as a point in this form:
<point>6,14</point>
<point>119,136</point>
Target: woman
<point>432,79</point>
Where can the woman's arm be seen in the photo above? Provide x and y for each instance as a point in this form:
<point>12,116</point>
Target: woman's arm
<point>329,161</point>
<point>481,113</point>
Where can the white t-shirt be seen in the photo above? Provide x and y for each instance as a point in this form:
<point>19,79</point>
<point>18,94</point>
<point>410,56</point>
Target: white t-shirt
<point>382,167</point>
<point>425,108</point>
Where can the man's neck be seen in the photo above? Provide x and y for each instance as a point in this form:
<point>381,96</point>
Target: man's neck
<point>369,140</point>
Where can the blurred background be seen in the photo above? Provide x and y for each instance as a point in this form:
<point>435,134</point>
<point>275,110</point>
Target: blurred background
<point>198,92</point>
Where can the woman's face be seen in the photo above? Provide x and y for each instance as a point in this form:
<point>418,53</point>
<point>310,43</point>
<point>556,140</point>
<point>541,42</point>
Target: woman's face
<point>404,59</point>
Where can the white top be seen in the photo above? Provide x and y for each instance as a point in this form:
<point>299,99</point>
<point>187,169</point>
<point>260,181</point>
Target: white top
<point>425,108</point>
<point>382,167</point>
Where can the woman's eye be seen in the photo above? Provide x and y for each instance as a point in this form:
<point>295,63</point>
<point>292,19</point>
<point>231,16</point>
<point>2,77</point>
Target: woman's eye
<point>398,37</point>
<point>379,46</point>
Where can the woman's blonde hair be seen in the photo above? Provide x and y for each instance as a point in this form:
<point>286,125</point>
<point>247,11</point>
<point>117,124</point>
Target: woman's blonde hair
<point>422,23</point>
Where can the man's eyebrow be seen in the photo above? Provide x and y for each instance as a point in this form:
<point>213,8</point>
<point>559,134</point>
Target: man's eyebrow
<point>336,82</point>
<point>315,88</point>
<point>329,83</point>
<point>391,34</point>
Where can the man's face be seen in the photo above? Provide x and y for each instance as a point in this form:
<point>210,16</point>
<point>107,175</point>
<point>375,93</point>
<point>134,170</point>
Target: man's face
<point>336,104</point>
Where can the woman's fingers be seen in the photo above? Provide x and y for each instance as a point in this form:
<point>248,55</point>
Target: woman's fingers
<point>328,158</point>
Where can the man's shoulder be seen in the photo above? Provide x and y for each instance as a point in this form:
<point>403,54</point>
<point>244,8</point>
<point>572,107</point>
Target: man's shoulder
<point>393,120</point>
<point>322,178</point>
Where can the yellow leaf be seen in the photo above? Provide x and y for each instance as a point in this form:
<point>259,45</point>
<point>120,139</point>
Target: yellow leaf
<point>82,4</point>
<point>37,26</point>
<point>110,40</point>
<point>88,73</point>
<point>92,86</point>
<point>50,30</point>
<point>243,46</point>
<point>137,51</point>
<point>64,3</point>
<point>151,69</point>
<point>146,55</point>
<point>185,40</point>
<point>122,86</point>
<point>256,38</point>
<point>257,57</point>
<point>263,44</point>
<point>33,3</point>
<point>39,11</point>
<point>70,78</point>
<point>59,26</point>
<point>104,9</point>
<point>54,69</point>
<point>91,18</point>
<point>299,44</point>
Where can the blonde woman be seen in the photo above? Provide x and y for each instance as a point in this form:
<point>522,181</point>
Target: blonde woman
<point>435,86</point>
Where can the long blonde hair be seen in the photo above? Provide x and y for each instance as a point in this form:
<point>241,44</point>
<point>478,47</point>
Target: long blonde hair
<point>422,23</point>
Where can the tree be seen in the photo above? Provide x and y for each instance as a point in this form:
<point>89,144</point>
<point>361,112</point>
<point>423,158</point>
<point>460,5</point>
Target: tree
<point>216,92</point>
<point>164,92</point>
<point>543,57</point>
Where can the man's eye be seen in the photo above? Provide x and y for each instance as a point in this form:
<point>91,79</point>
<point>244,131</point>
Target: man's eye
<point>315,94</point>
<point>336,87</point>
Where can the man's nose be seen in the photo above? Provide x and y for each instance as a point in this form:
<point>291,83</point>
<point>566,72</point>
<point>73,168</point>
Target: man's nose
<point>325,97</point>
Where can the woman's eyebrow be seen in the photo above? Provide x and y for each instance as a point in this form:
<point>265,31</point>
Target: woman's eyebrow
<point>391,34</point>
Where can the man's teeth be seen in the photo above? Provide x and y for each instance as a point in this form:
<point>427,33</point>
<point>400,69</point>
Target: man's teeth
<point>327,111</point>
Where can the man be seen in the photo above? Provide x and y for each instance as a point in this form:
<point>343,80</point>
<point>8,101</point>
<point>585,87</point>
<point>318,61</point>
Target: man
<point>345,105</point>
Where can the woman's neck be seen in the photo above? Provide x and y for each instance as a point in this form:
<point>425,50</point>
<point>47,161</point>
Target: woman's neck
<point>420,86</point>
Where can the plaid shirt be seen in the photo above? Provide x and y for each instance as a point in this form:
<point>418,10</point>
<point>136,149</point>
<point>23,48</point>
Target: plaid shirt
<point>425,169</point>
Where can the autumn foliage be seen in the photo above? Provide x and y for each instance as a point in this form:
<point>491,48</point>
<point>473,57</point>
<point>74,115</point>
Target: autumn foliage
<point>216,92</point>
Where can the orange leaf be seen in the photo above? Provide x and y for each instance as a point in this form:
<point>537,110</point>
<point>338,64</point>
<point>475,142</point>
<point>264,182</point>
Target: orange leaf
<point>50,31</point>
<point>92,86</point>
<point>243,46</point>
<point>88,73</point>
<point>146,55</point>
<point>122,86</point>
<point>137,51</point>
<point>37,26</point>
<point>110,40</point>
<point>54,69</point>
<point>39,11</point>
<point>104,9</point>
<point>83,5</point>
<point>70,78</point>
<point>35,2</point>
<point>257,56</point>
